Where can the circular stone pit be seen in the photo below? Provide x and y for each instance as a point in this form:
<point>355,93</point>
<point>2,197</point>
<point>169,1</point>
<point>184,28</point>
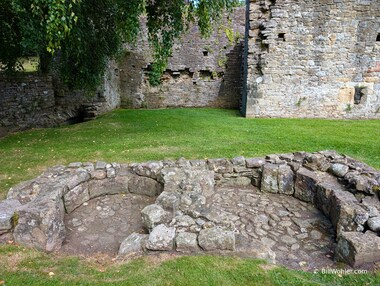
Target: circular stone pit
<point>258,207</point>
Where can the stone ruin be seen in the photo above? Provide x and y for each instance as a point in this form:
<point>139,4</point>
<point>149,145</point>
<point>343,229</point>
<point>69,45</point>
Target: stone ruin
<point>184,211</point>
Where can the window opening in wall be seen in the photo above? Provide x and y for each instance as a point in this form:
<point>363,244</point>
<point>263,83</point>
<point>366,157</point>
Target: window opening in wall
<point>205,53</point>
<point>378,37</point>
<point>358,94</point>
<point>281,36</point>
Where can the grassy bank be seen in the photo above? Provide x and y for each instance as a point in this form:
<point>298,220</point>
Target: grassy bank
<point>19,266</point>
<point>141,135</point>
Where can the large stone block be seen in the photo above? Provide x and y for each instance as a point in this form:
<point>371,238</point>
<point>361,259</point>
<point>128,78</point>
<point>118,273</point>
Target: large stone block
<point>41,225</point>
<point>356,248</point>
<point>8,209</point>
<point>133,245</point>
<point>144,186</point>
<point>345,212</point>
<point>153,215</point>
<point>169,200</point>
<point>216,239</point>
<point>277,179</point>
<point>109,186</point>
<point>149,169</point>
<point>306,185</point>
<point>161,238</point>
<point>76,197</point>
<point>186,242</point>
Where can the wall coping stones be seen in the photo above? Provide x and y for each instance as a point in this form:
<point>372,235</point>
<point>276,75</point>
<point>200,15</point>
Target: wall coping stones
<point>343,189</point>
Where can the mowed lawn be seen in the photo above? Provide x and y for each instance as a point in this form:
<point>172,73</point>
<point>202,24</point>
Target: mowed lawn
<point>142,135</point>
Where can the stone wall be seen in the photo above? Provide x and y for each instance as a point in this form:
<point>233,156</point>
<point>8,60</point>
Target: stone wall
<point>33,100</point>
<point>313,59</point>
<point>344,190</point>
<point>201,72</point>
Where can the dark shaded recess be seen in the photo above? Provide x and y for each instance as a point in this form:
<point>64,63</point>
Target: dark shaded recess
<point>378,37</point>
<point>231,87</point>
<point>281,36</point>
<point>205,53</point>
<point>358,94</point>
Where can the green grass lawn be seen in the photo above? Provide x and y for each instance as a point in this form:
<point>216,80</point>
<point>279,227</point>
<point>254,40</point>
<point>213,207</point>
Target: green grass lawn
<point>19,266</point>
<point>142,135</point>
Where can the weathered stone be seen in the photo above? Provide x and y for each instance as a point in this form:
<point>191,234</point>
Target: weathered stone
<point>316,162</point>
<point>305,185</point>
<point>220,165</point>
<point>269,181</point>
<point>234,182</point>
<point>277,179</point>
<point>98,174</point>
<point>111,172</point>
<point>238,161</point>
<point>77,178</point>
<point>133,245</point>
<point>345,212</point>
<point>153,215</point>
<point>186,242</point>
<point>339,170</point>
<point>109,186</point>
<point>372,205</point>
<point>374,223</point>
<point>144,186</point>
<point>40,223</point>
<point>356,248</point>
<point>169,200</point>
<point>255,162</point>
<point>25,192</point>
<point>161,238</point>
<point>100,165</point>
<point>285,180</point>
<point>323,197</point>
<point>216,239</point>
<point>75,165</point>
<point>8,210</point>
<point>149,169</point>
<point>184,221</point>
<point>76,197</point>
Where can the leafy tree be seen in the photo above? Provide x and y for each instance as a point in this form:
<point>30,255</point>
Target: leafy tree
<point>78,36</point>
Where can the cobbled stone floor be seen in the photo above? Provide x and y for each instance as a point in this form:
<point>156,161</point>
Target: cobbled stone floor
<point>101,224</point>
<point>299,235</point>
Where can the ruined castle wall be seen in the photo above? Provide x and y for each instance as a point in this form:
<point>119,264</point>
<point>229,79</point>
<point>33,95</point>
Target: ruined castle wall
<point>201,72</point>
<point>309,59</point>
<point>35,100</point>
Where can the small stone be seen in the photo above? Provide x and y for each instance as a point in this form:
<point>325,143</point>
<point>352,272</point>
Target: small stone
<point>100,165</point>
<point>98,174</point>
<point>75,165</point>
<point>339,170</point>
<point>255,162</point>
<point>374,223</point>
<point>288,240</point>
<point>315,234</point>
<point>295,246</point>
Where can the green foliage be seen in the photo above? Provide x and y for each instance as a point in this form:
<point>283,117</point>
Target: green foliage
<point>76,37</point>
